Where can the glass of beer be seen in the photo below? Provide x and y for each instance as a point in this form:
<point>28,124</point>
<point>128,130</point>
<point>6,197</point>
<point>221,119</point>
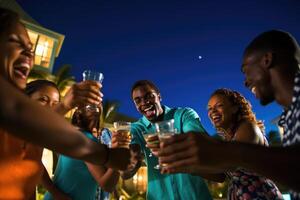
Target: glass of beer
<point>165,129</point>
<point>92,76</point>
<point>147,137</point>
<point>123,128</point>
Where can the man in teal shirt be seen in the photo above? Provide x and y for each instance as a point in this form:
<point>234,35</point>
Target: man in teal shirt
<point>146,97</point>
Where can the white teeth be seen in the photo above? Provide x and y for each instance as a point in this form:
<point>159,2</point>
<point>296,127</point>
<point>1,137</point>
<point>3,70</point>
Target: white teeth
<point>215,117</point>
<point>253,90</point>
<point>22,68</point>
<point>149,108</point>
<point>26,65</point>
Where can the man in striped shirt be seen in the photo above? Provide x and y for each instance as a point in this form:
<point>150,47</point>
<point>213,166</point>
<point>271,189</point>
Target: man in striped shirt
<point>271,69</point>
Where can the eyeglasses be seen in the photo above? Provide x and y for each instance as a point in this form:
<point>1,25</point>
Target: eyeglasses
<point>146,98</point>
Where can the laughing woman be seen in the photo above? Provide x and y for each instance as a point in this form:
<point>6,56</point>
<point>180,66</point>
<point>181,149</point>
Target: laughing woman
<point>22,118</point>
<point>232,116</point>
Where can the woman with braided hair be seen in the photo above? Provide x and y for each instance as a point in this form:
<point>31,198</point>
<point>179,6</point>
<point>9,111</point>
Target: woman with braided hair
<point>232,116</point>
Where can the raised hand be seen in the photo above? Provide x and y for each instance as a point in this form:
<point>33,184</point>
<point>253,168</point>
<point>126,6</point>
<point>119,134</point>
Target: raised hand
<point>152,142</point>
<point>190,153</point>
<point>119,140</point>
<point>80,94</point>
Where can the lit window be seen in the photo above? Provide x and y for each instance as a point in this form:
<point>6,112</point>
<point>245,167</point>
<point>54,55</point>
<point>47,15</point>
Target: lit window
<point>43,47</point>
<point>33,37</point>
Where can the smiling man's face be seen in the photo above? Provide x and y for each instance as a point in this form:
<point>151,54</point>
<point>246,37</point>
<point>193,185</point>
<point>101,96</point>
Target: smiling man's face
<point>147,102</point>
<point>257,77</point>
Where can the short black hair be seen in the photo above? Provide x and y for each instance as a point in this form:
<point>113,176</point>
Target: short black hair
<point>280,42</point>
<point>142,83</point>
<point>7,19</point>
<point>36,85</point>
<point>80,120</point>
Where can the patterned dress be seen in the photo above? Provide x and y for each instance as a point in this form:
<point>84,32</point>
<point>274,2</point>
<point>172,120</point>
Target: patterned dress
<point>250,186</point>
<point>245,185</point>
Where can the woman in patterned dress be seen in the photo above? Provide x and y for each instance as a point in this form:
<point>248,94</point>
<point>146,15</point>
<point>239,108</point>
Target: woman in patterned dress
<point>232,116</point>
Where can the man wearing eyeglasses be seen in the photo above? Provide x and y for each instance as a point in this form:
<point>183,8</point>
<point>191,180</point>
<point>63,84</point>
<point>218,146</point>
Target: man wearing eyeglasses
<point>147,99</point>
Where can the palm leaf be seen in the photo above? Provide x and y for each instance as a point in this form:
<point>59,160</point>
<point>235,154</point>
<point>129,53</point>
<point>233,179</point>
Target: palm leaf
<point>64,72</point>
<point>109,108</point>
<point>65,83</point>
<point>41,74</point>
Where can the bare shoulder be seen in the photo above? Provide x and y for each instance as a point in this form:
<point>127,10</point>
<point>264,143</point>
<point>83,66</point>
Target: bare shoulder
<point>246,125</point>
<point>248,132</point>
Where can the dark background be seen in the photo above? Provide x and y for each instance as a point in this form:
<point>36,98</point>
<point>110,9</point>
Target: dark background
<point>162,41</point>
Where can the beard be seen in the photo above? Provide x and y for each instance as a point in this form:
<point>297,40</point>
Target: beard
<point>265,102</point>
<point>266,98</point>
<point>266,90</point>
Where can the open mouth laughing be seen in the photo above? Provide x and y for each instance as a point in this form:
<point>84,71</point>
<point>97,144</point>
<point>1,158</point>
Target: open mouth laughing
<point>149,111</point>
<point>216,118</point>
<point>254,91</point>
<point>21,70</point>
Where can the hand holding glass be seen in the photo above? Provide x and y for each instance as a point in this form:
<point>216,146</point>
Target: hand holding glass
<point>165,129</point>
<point>92,76</point>
<point>123,129</point>
<point>151,139</point>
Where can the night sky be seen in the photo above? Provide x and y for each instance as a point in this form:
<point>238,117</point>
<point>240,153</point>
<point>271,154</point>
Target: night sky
<point>163,41</point>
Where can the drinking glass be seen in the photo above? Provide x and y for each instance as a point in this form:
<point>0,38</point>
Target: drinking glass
<point>123,128</point>
<point>165,129</point>
<point>92,76</point>
<point>148,136</point>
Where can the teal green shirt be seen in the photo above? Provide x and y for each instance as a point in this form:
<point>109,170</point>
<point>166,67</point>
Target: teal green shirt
<point>174,186</point>
<point>73,177</point>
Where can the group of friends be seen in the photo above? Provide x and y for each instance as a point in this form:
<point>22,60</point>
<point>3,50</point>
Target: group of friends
<point>271,69</point>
